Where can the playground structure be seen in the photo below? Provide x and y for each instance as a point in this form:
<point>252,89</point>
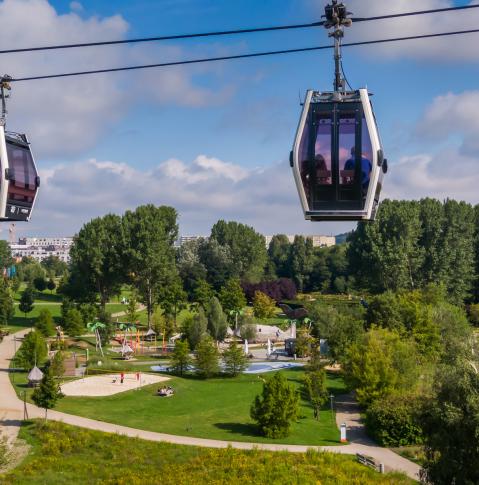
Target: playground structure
<point>134,341</point>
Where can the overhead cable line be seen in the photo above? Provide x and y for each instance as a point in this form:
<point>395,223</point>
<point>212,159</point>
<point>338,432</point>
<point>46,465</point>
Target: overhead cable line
<point>225,32</point>
<point>409,14</point>
<point>241,56</point>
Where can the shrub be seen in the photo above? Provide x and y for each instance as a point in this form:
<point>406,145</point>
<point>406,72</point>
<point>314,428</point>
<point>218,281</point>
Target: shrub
<point>181,360</point>
<point>394,420</point>
<point>263,305</point>
<point>44,323</point>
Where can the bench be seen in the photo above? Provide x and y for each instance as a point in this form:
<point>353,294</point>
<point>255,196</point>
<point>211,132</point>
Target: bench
<point>370,462</point>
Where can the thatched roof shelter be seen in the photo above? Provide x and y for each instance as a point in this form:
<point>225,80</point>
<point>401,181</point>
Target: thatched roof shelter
<point>34,377</point>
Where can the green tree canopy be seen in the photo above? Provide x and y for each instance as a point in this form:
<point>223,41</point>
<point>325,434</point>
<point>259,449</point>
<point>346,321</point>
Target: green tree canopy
<point>276,408</point>
<point>33,350</point>
<point>232,296</point>
<point>44,323</point>
<point>263,305</point>
<point>73,323</point>
<point>181,359</point>
<point>7,309</point>
<point>247,248</point>
<point>450,423</point>
<point>207,357</point>
<point>150,233</point>
<point>279,254</point>
<point>235,360</point>
<point>380,364</point>
<point>195,328</point>
<point>217,322</point>
<point>47,393</point>
<point>203,292</point>
<point>97,262</point>
<point>27,300</point>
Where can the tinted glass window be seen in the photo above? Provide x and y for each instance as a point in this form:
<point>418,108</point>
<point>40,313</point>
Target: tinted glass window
<point>347,148</point>
<point>322,151</point>
<point>304,159</point>
<point>22,186</point>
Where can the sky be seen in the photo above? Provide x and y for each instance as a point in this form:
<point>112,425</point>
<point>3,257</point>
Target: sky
<point>213,140</point>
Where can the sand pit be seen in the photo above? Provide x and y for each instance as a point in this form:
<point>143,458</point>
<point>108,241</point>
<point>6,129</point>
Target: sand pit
<point>108,384</point>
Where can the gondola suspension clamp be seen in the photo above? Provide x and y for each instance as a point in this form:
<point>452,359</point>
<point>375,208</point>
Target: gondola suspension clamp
<point>4,87</point>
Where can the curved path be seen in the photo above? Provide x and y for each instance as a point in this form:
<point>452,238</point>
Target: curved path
<point>11,415</point>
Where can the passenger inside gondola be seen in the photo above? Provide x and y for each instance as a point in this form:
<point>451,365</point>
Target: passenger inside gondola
<point>366,167</point>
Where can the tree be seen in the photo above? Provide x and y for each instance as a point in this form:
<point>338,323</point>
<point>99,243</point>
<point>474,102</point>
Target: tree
<point>232,298</point>
<point>316,390</point>
<point>207,357</point>
<point>26,301</point>
<point>6,259</point>
<point>44,323</point>
<point>7,309</point>
<point>29,269</point>
<point>301,261</point>
<point>276,408</point>
<point>450,422</point>
<point>73,323</point>
<point>202,293</point>
<point>51,285</point>
<point>57,364</point>
<point>150,232</point>
<point>33,350</point>
<point>172,298</point>
<point>394,420</point>
<point>195,328</point>
<point>40,284</point>
<point>217,323</point>
<point>217,261</point>
<point>246,247</point>
<point>181,360</point>
<point>304,343</point>
<point>235,360</point>
<point>263,305</point>
<point>131,312</point>
<point>97,266</point>
<point>380,364</point>
<point>47,393</point>
<point>54,266</point>
<point>279,254</point>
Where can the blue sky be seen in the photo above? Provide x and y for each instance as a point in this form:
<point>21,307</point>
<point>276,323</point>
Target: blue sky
<point>213,140</point>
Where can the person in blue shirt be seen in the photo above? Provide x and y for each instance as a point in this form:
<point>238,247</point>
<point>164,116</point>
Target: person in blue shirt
<point>366,167</point>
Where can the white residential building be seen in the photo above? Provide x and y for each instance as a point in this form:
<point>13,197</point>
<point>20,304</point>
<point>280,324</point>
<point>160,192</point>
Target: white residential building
<point>42,248</point>
<point>318,241</point>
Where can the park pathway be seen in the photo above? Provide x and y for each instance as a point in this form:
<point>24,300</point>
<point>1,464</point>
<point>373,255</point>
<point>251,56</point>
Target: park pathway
<point>11,415</point>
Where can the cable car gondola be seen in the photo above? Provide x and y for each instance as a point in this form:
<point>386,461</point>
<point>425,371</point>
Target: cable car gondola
<point>337,158</point>
<point>19,179</point>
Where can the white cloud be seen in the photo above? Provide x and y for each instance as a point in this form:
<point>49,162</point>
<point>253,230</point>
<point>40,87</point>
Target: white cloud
<point>450,168</point>
<point>458,48</point>
<point>202,191</point>
<point>67,116</point>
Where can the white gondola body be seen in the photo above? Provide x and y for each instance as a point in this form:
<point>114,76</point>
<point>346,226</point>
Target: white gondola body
<point>19,180</point>
<point>369,200</point>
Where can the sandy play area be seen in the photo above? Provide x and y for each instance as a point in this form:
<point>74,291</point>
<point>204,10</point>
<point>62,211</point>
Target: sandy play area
<point>108,384</point>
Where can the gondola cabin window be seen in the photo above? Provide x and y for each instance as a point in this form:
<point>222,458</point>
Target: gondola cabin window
<point>22,187</point>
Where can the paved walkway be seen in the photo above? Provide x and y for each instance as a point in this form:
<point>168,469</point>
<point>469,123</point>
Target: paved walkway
<point>11,414</point>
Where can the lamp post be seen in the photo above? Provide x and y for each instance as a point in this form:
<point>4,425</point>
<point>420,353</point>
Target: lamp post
<point>331,397</point>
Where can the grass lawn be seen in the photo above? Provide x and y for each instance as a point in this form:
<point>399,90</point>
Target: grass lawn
<point>62,454</point>
<point>215,408</point>
<point>19,321</point>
